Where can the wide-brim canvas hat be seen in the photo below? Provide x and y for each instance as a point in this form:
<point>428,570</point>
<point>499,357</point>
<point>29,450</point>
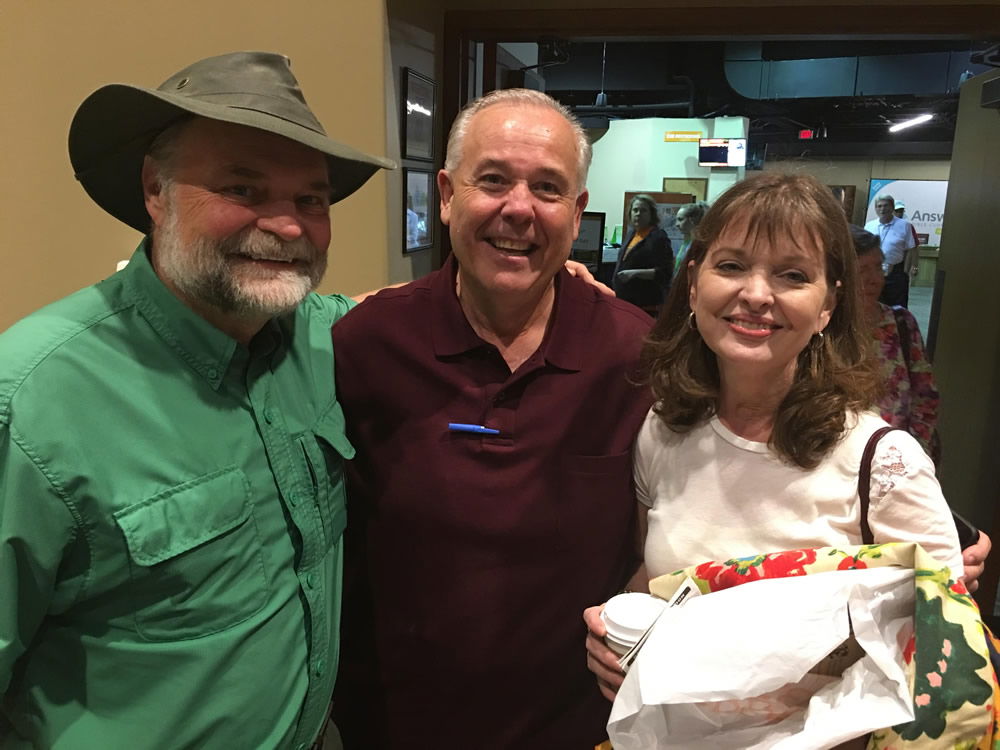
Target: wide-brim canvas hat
<point>113,128</point>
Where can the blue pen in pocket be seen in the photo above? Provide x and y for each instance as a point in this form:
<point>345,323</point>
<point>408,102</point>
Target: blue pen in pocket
<point>478,429</point>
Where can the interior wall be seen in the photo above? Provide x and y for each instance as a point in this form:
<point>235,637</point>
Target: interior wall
<point>632,155</point>
<point>412,43</point>
<point>967,355</point>
<point>54,54</point>
<point>861,171</point>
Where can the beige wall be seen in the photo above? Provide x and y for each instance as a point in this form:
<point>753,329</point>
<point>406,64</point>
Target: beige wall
<point>412,43</point>
<point>54,53</point>
<point>967,357</point>
<point>860,172</point>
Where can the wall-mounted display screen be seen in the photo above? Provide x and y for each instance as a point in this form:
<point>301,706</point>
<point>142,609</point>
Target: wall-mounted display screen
<point>722,152</point>
<point>588,244</point>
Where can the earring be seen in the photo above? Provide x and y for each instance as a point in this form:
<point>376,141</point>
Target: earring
<point>692,323</point>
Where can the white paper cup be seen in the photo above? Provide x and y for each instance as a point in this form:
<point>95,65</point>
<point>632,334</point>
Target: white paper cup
<point>627,617</point>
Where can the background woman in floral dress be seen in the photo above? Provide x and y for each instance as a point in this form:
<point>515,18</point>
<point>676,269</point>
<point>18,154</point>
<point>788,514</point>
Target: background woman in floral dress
<point>910,397</point>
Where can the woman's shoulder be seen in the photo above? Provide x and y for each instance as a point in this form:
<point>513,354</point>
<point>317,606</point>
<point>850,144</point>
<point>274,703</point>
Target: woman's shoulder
<point>901,312</point>
<point>655,434</point>
<point>861,426</point>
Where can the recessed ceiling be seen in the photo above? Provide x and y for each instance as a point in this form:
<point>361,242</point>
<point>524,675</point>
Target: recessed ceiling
<point>847,91</point>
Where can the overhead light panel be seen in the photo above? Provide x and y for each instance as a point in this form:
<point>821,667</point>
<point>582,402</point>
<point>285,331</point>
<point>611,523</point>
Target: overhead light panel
<point>910,123</point>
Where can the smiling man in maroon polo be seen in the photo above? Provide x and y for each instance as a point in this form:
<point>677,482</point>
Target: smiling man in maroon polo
<point>491,500</point>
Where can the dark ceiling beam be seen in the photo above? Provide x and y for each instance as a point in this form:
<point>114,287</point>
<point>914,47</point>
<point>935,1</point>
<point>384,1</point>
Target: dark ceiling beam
<point>860,149</point>
<point>966,21</point>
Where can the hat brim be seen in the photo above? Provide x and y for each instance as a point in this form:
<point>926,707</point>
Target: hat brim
<point>114,126</point>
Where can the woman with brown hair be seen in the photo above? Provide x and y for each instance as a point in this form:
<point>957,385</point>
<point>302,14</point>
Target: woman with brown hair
<point>764,386</point>
<point>642,274</point>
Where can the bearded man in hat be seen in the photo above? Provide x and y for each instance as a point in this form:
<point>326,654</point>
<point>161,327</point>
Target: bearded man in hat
<point>171,445</point>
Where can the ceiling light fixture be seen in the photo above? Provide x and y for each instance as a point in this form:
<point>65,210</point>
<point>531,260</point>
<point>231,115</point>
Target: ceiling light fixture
<point>910,123</point>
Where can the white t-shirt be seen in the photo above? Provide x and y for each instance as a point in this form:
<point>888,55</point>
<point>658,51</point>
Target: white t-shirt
<point>895,238</point>
<point>715,496</point>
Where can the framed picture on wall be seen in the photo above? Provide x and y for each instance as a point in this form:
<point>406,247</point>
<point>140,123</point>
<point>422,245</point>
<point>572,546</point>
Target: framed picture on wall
<point>845,197</point>
<point>418,116</point>
<point>418,210</point>
<point>696,186</point>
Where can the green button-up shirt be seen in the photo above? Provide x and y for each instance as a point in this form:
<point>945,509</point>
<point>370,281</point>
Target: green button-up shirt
<point>171,510</point>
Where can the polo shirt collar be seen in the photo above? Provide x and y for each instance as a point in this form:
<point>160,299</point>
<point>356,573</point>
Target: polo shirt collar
<point>203,347</point>
<point>562,346</point>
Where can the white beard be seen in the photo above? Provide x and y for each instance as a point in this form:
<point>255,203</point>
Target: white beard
<point>219,273</point>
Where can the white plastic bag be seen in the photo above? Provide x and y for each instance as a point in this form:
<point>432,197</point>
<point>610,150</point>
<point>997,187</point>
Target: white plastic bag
<point>732,669</point>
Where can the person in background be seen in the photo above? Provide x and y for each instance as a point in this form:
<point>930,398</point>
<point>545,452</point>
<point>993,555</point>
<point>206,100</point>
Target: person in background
<point>171,445</point>
<point>909,397</point>
<point>897,239</point>
<point>493,409</point>
<point>645,264</point>
<point>688,217</point>
<point>913,255</point>
<point>763,385</point>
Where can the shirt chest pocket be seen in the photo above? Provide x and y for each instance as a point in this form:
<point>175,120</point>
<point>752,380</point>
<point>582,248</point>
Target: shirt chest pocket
<point>326,447</point>
<point>597,507</point>
<point>195,558</point>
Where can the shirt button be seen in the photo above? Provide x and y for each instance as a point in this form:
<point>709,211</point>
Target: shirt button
<point>320,665</point>
<point>311,580</point>
<point>301,746</point>
<point>213,373</point>
<point>500,397</point>
<point>269,415</point>
<point>293,498</point>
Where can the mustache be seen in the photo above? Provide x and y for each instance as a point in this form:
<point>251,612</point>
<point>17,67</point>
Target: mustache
<point>259,245</point>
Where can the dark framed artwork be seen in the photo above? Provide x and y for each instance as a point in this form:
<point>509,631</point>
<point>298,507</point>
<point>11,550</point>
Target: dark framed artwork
<point>845,197</point>
<point>418,210</point>
<point>418,116</point>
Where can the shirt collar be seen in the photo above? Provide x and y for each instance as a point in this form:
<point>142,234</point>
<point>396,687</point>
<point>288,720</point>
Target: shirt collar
<point>562,346</point>
<point>206,350</point>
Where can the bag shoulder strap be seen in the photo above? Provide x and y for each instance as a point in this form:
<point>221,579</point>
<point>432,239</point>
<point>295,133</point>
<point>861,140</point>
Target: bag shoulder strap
<point>904,333</point>
<point>865,479</point>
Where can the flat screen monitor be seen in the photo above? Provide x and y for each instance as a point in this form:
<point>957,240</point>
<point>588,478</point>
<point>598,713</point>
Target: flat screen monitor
<point>722,152</point>
<point>587,246</point>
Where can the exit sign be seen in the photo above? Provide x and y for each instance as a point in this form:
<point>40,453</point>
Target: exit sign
<point>806,135</point>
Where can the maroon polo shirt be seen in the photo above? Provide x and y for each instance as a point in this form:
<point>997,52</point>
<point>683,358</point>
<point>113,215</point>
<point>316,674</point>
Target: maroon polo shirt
<point>470,557</point>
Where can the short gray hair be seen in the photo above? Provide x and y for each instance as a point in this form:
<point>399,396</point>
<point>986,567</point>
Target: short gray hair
<point>695,211</point>
<point>525,97</point>
<point>885,197</point>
